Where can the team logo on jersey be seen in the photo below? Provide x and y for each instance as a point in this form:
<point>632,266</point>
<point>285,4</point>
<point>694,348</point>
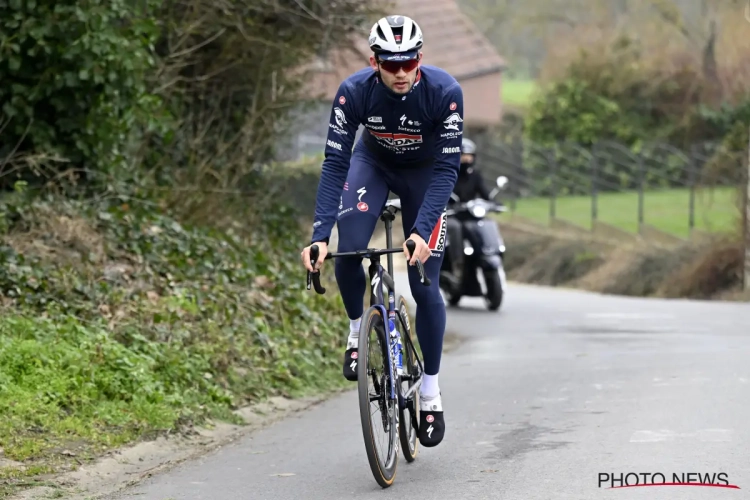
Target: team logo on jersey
<point>436,242</point>
<point>451,123</point>
<point>397,140</point>
<point>340,117</point>
<point>342,100</point>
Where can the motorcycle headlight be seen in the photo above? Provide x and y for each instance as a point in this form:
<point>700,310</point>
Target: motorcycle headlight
<point>478,211</point>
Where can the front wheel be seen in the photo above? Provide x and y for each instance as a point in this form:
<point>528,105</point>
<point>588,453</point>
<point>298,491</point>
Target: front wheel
<point>377,410</point>
<point>494,296</point>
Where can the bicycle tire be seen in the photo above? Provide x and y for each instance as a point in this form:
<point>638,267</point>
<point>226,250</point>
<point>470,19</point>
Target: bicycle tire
<point>386,474</point>
<point>407,431</point>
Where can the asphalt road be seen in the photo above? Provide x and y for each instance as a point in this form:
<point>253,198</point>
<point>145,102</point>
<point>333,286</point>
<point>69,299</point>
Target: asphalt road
<point>540,399</point>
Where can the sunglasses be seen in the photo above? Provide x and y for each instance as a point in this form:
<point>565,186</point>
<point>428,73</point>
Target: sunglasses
<point>394,66</point>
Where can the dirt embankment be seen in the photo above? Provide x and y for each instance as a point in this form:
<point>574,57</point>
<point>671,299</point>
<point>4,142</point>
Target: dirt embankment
<point>701,270</point>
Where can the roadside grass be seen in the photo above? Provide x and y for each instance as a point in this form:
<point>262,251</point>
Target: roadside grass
<point>120,322</point>
<point>667,210</point>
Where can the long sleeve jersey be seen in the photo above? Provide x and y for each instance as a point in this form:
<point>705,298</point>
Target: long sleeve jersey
<point>420,128</point>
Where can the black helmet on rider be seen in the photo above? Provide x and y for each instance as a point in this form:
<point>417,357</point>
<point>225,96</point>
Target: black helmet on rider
<point>468,153</point>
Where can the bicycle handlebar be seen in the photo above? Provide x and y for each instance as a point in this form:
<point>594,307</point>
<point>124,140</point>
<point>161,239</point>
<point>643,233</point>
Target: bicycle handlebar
<point>313,278</point>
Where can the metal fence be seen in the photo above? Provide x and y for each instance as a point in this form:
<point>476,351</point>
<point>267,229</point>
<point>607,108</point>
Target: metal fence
<point>657,188</point>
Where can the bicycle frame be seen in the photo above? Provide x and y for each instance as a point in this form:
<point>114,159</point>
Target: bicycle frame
<point>379,278</point>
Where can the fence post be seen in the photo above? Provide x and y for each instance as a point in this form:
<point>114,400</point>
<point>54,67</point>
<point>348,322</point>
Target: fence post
<point>746,280</point>
<point>553,193</point>
<point>593,173</point>
<point>641,189</point>
<point>692,179</point>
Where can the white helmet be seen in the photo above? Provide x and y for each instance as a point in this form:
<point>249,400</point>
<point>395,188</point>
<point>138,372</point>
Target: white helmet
<point>468,147</point>
<point>396,38</point>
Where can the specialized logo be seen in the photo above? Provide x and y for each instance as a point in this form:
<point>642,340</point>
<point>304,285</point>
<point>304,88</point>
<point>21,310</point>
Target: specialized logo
<point>451,123</point>
<point>334,145</point>
<point>449,150</point>
<point>437,238</point>
<point>411,123</point>
<point>397,140</point>
<point>362,206</point>
<point>376,282</point>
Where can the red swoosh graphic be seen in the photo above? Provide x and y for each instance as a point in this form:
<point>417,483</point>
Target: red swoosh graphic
<point>708,485</point>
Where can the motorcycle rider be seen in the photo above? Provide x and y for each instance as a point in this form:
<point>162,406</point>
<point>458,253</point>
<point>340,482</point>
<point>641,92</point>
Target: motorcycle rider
<point>469,185</point>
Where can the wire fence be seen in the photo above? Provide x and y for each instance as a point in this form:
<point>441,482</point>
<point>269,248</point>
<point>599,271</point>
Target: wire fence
<point>658,189</point>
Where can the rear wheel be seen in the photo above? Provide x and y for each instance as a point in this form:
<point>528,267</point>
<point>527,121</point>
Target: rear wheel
<point>408,416</point>
<point>378,412</point>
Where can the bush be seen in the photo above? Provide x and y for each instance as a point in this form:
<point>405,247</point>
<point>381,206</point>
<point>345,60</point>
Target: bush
<point>616,106</point>
<point>74,79</point>
<point>121,321</point>
<point>177,90</point>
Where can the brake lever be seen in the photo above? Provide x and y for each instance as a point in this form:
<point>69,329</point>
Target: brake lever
<point>411,246</point>
<point>314,277</point>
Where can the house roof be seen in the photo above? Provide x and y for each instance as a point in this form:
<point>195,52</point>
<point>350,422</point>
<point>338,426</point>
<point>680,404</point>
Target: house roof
<point>452,42</point>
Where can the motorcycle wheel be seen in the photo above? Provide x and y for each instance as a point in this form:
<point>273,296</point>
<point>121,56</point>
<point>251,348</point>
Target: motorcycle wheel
<point>494,296</point>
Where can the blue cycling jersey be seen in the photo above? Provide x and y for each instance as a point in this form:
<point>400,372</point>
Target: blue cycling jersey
<point>422,128</point>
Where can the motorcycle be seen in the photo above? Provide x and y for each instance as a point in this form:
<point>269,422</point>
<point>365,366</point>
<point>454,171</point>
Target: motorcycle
<point>474,246</point>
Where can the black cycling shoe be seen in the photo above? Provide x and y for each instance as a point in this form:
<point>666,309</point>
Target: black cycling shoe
<point>350,364</point>
<point>431,422</point>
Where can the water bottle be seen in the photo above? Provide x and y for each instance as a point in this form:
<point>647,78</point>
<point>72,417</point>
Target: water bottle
<point>397,344</point>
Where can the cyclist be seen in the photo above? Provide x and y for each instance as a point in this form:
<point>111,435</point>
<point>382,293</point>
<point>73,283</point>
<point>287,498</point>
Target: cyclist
<point>411,145</point>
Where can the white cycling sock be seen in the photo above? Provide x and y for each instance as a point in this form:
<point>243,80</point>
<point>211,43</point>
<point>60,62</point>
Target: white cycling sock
<point>353,340</point>
<point>429,388</point>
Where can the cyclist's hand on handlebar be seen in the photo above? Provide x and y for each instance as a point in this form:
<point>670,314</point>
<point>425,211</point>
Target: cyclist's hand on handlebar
<point>323,251</point>
<point>421,251</point>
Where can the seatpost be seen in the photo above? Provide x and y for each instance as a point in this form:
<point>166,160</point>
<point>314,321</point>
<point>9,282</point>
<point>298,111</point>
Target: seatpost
<point>389,243</point>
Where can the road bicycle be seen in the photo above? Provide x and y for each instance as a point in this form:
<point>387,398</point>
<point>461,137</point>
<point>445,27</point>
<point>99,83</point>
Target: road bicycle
<point>402,369</point>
